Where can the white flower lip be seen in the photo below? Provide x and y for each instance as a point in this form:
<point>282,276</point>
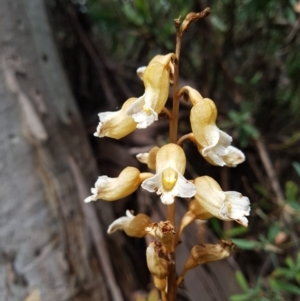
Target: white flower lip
<point>222,153</point>
<point>101,183</point>
<point>120,223</point>
<point>213,144</point>
<point>225,205</point>
<point>182,188</point>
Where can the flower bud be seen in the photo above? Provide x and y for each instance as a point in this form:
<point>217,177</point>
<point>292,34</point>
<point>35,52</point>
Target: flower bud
<point>116,124</point>
<point>134,226</point>
<point>169,180</point>
<point>112,189</point>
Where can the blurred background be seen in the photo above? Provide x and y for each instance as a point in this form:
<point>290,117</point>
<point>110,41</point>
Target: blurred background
<point>66,61</point>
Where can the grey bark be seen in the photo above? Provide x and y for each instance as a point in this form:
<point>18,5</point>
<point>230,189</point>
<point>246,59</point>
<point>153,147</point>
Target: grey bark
<point>51,246</point>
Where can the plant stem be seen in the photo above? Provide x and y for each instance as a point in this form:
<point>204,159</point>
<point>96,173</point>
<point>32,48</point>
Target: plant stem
<point>175,109</point>
<point>172,285</point>
<point>171,294</point>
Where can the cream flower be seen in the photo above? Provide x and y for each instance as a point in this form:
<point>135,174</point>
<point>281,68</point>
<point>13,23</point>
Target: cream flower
<point>149,158</point>
<point>212,143</point>
<point>132,225</point>
<point>169,180</point>
<point>116,124</point>
<point>225,205</point>
<point>156,77</point>
<point>112,189</point>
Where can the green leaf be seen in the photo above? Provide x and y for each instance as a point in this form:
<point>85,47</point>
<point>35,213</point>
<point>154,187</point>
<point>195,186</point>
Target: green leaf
<point>239,80</point>
<point>298,262</point>
<point>291,191</point>
<point>247,244</point>
<point>297,167</point>
<point>285,286</point>
<point>239,297</point>
<point>241,281</point>
<point>250,130</point>
<point>132,15</point>
<point>289,262</point>
<point>236,231</point>
<point>256,78</point>
<point>273,231</point>
<point>248,296</point>
<point>218,23</point>
<point>282,272</point>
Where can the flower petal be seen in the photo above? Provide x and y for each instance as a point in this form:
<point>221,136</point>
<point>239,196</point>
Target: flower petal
<point>233,157</point>
<point>156,78</point>
<point>134,226</point>
<point>116,124</point>
<point>182,188</point>
<point>140,72</point>
<point>111,189</point>
<point>153,184</point>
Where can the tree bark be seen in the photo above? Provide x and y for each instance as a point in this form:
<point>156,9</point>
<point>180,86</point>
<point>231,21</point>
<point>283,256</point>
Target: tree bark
<point>50,249</point>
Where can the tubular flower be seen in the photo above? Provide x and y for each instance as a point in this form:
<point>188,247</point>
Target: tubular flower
<point>169,180</point>
<point>116,124</point>
<point>225,205</point>
<point>213,144</point>
<point>134,226</point>
<point>112,189</point>
<point>156,77</point>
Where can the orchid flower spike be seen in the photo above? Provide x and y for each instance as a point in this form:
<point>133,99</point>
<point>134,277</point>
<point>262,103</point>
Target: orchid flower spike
<point>213,144</point>
<point>156,77</point>
<point>116,124</point>
<point>225,205</point>
<point>132,225</point>
<point>169,180</point>
<point>112,189</point>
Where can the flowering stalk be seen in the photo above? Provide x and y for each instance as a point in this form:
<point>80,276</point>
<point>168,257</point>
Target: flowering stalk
<point>171,210</point>
<point>168,163</point>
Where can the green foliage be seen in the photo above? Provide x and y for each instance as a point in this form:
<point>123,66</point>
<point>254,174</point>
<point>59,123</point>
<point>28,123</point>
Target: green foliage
<point>297,167</point>
<point>284,281</point>
<point>281,283</point>
<point>124,26</point>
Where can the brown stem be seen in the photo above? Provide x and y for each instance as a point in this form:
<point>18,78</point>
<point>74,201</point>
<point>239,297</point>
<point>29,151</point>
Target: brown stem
<point>172,287</point>
<point>171,294</point>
